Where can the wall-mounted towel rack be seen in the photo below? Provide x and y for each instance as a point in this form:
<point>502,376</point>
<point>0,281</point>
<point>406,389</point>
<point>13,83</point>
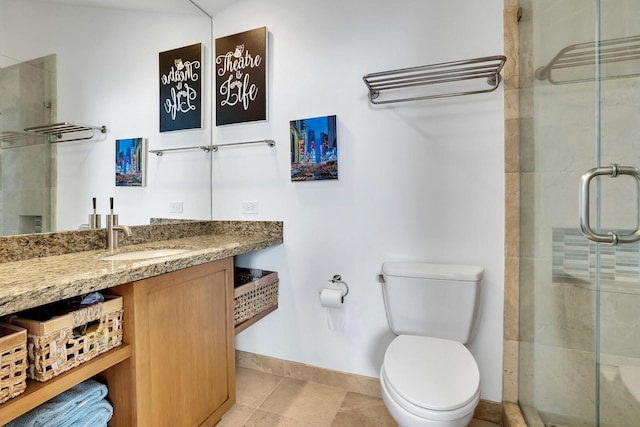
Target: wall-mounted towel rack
<point>403,82</point>
<point>14,139</point>
<point>209,148</point>
<point>57,130</point>
<point>584,56</point>
<point>12,136</point>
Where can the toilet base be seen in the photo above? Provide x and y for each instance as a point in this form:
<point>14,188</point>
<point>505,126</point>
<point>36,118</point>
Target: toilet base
<point>457,418</point>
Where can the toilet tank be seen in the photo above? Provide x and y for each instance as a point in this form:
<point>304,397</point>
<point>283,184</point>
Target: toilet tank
<point>435,300</point>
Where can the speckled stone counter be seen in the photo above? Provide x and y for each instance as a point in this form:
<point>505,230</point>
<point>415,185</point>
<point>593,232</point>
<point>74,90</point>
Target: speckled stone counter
<point>39,269</point>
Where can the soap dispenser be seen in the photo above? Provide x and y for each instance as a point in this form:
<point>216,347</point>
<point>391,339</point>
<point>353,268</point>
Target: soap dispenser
<point>94,218</point>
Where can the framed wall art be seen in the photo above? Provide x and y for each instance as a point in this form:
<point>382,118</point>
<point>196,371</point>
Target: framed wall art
<point>181,88</point>
<point>241,77</point>
<point>314,149</point>
<point>130,162</point>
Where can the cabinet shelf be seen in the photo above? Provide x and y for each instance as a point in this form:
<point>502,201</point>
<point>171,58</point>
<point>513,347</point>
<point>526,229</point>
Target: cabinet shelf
<point>39,392</point>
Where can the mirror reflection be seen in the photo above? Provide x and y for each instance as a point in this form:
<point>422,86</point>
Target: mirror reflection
<point>97,67</point>
<point>27,168</point>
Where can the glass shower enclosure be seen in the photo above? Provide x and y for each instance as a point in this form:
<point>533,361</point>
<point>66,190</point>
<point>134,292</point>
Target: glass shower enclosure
<point>579,357</point>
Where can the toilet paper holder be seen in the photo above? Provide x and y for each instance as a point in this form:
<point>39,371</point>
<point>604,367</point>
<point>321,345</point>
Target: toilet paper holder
<point>338,279</point>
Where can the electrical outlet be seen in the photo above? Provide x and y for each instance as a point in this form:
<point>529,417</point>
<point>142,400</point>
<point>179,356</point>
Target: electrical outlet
<point>250,207</point>
<point>175,207</point>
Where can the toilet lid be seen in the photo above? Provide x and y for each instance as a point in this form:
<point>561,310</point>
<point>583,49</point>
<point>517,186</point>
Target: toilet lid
<point>431,373</point>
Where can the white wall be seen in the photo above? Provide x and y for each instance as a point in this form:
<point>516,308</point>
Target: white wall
<point>108,75</point>
<point>420,180</point>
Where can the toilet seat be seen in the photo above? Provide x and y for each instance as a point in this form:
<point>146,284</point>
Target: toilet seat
<point>409,415</point>
<point>428,375</point>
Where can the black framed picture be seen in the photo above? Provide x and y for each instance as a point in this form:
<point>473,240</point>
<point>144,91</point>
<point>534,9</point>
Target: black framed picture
<point>181,88</point>
<point>241,77</point>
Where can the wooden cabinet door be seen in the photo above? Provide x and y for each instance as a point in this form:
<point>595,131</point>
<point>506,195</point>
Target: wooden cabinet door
<point>183,346</point>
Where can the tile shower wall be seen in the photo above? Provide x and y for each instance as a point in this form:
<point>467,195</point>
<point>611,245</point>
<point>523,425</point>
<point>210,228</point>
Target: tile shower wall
<point>574,257</point>
<point>27,179</point>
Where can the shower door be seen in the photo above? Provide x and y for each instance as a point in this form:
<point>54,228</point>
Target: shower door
<point>580,264</point>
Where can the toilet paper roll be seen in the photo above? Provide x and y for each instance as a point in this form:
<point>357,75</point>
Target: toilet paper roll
<point>331,298</point>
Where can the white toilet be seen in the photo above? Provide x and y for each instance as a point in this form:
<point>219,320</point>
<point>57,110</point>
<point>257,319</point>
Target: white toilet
<point>429,378</point>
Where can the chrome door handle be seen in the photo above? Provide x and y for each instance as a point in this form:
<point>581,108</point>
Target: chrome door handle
<point>612,237</point>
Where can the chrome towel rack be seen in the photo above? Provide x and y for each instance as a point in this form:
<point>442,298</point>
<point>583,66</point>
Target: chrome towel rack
<point>210,148</point>
<point>587,55</point>
<point>401,80</point>
<point>13,136</point>
<point>57,130</point>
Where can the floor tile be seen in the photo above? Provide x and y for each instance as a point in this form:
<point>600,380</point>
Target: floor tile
<point>237,416</point>
<point>268,400</point>
<point>262,418</point>
<point>363,411</point>
<point>253,387</point>
<point>312,403</point>
<point>482,423</point>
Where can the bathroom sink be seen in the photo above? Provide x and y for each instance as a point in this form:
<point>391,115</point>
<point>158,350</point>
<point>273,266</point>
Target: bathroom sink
<point>148,254</point>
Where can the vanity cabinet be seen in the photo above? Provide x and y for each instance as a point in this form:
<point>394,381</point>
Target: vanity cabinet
<point>176,366</point>
<point>182,366</point>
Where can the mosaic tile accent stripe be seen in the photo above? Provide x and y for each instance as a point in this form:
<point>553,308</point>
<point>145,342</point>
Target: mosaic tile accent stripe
<point>574,257</point>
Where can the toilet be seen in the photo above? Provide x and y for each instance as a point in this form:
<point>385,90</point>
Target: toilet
<point>428,377</point>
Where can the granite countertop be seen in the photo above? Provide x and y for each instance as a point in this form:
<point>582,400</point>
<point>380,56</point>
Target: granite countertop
<point>40,280</point>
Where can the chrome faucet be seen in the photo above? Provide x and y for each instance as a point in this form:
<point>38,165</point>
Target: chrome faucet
<point>113,228</point>
<point>112,231</point>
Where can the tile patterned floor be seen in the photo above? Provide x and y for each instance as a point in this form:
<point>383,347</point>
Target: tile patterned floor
<point>267,400</point>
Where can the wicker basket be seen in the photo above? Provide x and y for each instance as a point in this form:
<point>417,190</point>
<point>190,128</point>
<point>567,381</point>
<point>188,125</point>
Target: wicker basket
<point>13,361</point>
<point>255,291</point>
<point>61,343</point>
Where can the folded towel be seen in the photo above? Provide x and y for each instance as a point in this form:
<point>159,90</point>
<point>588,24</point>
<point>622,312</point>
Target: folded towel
<point>56,411</point>
<point>95,415</point>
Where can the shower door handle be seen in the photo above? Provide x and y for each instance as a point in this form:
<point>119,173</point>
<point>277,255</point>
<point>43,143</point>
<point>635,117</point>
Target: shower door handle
<point>612,237</point>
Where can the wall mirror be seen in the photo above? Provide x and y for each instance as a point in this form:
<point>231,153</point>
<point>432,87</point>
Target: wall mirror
<point>78,62</point>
